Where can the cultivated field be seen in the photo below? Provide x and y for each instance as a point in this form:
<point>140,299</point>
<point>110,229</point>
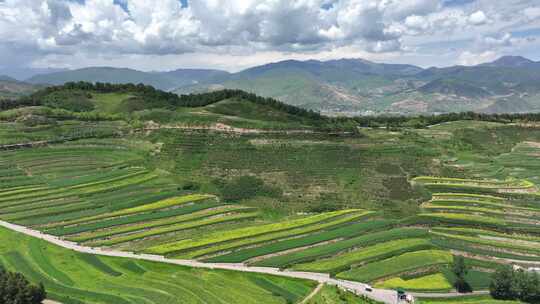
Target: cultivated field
<point>75,278</point>
<point>391,209</point>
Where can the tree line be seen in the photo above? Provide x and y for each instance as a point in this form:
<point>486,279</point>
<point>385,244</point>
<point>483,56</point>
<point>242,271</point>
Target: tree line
<point>8,104</point>
<point>423,121</point>
<point>155,98</point>
<point>515,284</point>
<point>159,98</point>
<point>15,289</point>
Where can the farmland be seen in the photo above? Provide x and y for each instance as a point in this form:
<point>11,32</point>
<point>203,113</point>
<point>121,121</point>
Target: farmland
<point>74,278</point>
<point>389,208</point>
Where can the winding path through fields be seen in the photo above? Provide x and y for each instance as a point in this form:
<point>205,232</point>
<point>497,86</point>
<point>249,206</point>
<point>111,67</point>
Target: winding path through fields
<point>382,295</point>
<point>312,294</point>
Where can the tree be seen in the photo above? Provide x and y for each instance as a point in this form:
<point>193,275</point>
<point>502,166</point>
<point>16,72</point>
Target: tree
<point>501,284</point>
<point>527,286</point>
<point>15,289</point>
<point>533,289</point>
<point>460,269</point>
<point>510,284</point>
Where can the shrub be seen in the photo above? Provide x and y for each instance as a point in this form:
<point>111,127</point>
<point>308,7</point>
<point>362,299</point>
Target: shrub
<point>246,187</point>
<point>460,270</point>
<point>15,289</point>
<point>510,284</point>
<point>72,100</point>
<point>190,186</point>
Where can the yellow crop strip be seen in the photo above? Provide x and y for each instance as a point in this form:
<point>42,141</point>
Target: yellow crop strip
<point>430,282</point>
<point>162,204</point>
<point>174,228</point>
<point>273,236</point>
<point>223,236</point>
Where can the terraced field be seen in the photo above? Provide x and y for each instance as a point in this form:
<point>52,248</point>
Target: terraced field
<point>111,201</point>
<point>99,192</point>
<point>74,278</point>
<point>145,195</point>
<point>488,221</point>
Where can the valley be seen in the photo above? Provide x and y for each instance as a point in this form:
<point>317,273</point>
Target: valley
<point>142,172</point>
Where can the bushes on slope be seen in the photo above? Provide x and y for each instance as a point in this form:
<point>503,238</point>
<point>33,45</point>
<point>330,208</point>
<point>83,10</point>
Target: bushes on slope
<point>15,289</point>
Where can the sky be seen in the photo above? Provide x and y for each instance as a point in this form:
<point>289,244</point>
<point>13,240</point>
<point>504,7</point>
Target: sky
<point>236,34</point>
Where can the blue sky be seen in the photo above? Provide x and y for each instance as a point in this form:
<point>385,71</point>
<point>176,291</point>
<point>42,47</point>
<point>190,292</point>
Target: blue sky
<point>236,34</point>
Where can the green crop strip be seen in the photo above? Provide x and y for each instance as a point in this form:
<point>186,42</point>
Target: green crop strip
<point>244,233</point>
<point>344,261</point>
<point>174,228</point>
<point>216,248</point>
<point>347,231</point>
<point>327,250</point>
<point>460,218</point>
<point>85,237</point>
<point>529,246</point>
<point>131,219</point>
<point>162,204</point>
<point>398,264</point>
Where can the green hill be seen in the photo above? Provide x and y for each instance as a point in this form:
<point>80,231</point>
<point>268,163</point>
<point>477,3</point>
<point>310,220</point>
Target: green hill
<point>230,107</point>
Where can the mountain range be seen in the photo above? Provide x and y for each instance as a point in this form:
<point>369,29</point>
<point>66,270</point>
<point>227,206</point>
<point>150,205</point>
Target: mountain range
<point>351,86</point>
<point>13,88</point>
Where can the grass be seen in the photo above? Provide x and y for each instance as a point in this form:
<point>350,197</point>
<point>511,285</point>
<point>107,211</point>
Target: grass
<point>79,278</point>
<point>433,282</point>
<point>333,295</point>
<point>108,102</point>
<point>399,264</point>
<point>479,280</point>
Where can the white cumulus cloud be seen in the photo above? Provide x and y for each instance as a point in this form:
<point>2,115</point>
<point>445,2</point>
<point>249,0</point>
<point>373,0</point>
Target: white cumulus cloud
<point>38,29</point>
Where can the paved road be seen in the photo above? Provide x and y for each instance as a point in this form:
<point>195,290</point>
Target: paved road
<point>381,295</point>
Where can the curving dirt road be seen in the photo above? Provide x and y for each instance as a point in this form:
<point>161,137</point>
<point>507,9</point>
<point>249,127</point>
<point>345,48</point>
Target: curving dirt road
<point>312,294</point>
<point>381,295</point>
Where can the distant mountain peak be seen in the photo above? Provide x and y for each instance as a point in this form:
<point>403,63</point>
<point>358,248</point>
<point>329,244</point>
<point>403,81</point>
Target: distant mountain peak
<point>7,78</point>
<point>510,61</point>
